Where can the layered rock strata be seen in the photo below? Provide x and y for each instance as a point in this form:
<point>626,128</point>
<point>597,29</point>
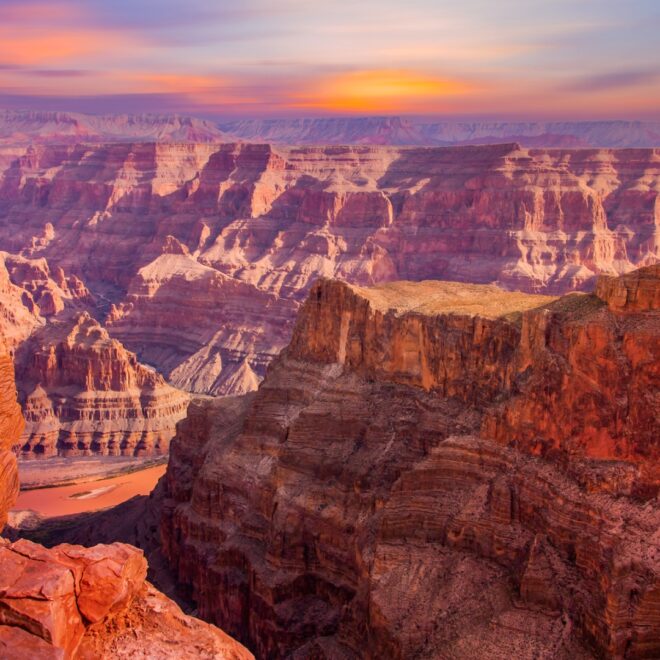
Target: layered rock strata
<point>273,219</point>
<point>401,485</point>
<point>84,393</point>
<point>11,427</point>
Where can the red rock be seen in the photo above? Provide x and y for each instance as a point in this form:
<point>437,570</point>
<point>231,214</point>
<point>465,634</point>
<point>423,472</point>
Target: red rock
<point>260,224</point>
<point>85,393</point>
<point>368,501</point>
<point>11,427</point>
<point>70,601</point>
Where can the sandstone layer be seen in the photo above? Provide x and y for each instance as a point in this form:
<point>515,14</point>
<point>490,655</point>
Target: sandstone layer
<point>76,602</point>
<point>206,251</point>
<point>84,393</point>
<point>401,485</point>
<point>11,427</point>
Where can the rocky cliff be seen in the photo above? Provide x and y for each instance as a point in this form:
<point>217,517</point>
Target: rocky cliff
<point>11,427</point>
<point>83,393</point>
<point>434,470</point>
<point>174,234</point>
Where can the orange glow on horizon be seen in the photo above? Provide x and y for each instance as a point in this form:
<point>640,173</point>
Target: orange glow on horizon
<point>378,91</point>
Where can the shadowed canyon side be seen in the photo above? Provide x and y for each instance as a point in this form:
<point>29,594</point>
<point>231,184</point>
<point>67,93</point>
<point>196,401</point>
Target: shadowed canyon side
<point>73,602</point>
<point>165,232</point>
<point>402,486</point>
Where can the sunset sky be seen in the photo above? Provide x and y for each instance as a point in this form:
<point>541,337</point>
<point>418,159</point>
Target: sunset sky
<point>524,59</point>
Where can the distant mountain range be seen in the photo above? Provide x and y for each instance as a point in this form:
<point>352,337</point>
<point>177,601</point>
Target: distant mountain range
<point>428,132</point>
<point>18,127</point>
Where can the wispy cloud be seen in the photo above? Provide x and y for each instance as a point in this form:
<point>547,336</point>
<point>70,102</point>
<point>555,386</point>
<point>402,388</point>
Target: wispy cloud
<point>614,81</point>
<point>259,57</point>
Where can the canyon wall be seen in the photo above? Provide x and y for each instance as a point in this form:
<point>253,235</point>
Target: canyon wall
<point>200,254</point>
<point>401,485</point>
<point>84,393</point>
<point>11,427</point>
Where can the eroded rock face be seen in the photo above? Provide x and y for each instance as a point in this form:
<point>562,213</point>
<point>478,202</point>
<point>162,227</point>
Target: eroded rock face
<point>380,495</point>
<point>11,427</point>
<point>76,602</point>
<point>84,393</point>
<point>177,235</point>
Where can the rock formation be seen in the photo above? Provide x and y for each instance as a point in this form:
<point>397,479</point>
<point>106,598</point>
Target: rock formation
<point>83,393</point>
<point>143,225</point>
<point>434,470</point>
<point>75,602</point>
<point>427,132</point>
<point>30,127</point>
<point>11,427</point>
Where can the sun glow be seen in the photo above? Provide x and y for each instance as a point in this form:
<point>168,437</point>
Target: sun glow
<point>380,90</point>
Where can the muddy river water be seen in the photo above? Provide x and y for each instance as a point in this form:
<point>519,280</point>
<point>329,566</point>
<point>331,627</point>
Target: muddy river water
<point>90,495</point>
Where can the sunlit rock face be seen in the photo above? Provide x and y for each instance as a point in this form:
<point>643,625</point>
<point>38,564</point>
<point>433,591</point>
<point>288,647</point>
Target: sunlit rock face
<point>11,427</point>
<point>402,484</point>
<point>200,254</point>
<point>83,393</point>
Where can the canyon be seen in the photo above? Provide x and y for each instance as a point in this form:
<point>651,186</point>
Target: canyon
<point>74,602</point>
<point>427,131</point>
<point>22,127</point>
<point>197,256</point>
<point>434,469</point>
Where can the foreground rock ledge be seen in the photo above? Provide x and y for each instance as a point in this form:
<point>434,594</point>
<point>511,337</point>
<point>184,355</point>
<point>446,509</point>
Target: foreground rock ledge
<point>434,470</point>
<point>75,602</point>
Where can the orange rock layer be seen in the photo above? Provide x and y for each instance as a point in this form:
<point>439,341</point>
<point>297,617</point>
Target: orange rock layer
<point>11,427</point>
<point>431,470</point>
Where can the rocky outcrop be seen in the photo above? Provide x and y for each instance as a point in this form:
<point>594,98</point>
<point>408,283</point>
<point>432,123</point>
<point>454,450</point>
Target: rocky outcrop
<point>207,332</point>
<point>145,224</point>
<point>11,427</point>
<point>76,602</point>
<point>84,393</point>
<point>388,493</point>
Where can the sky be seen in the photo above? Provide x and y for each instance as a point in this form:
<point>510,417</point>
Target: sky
<point>508,59</point>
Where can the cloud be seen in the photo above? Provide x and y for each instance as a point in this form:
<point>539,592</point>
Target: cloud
<point>613,81</point>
